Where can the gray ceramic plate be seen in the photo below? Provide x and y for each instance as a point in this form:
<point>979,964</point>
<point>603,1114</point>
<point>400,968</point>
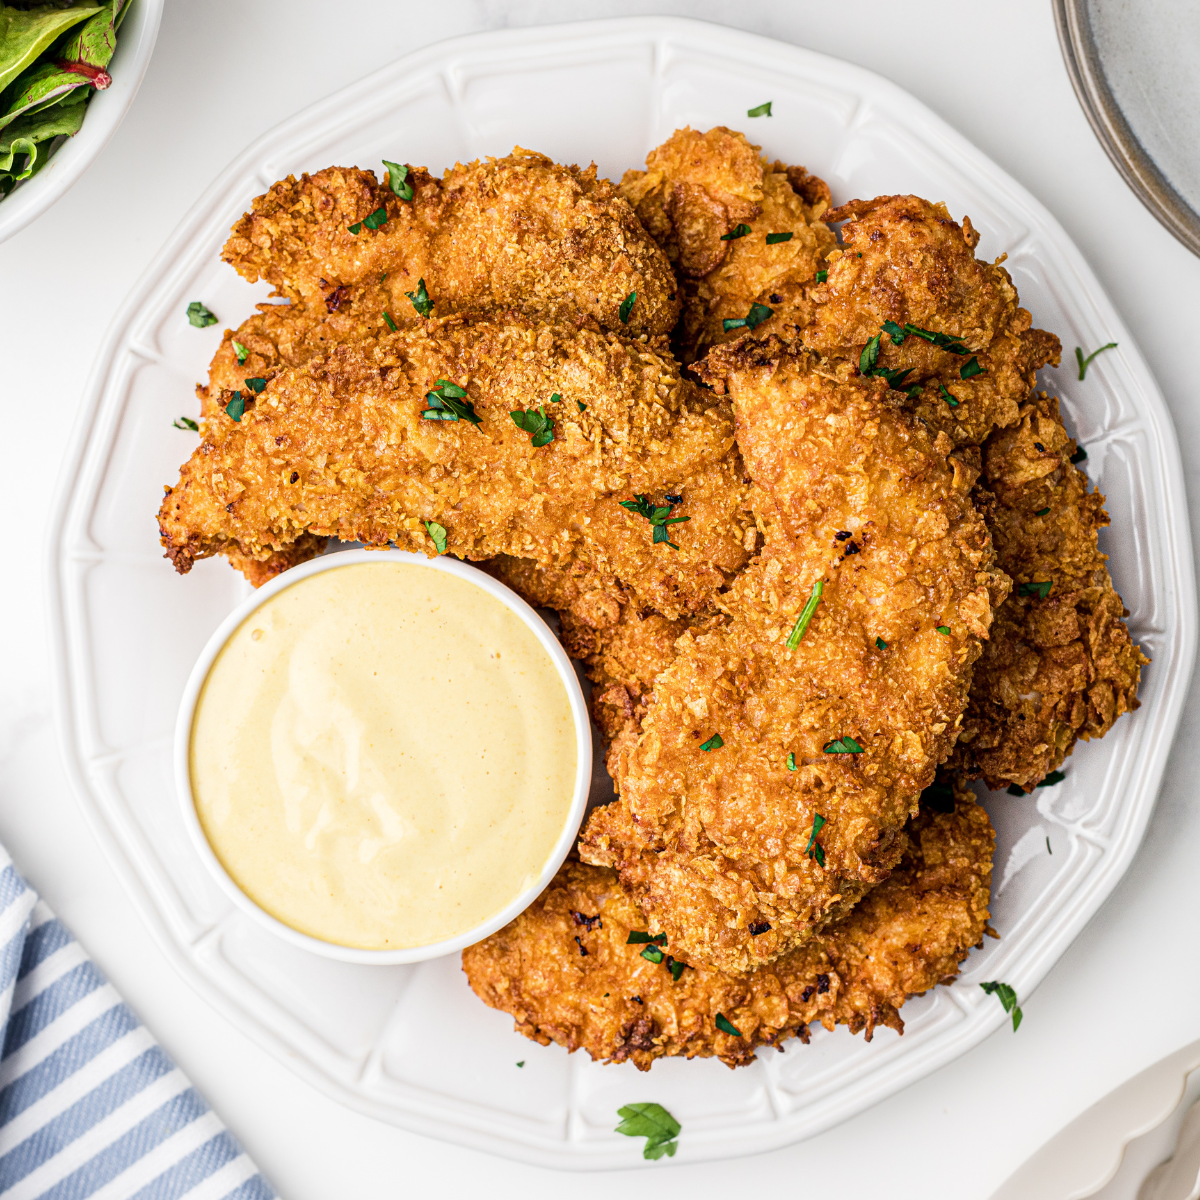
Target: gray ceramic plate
<point>1133,64</point>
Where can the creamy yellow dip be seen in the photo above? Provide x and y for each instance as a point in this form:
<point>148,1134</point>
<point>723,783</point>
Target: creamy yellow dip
<point>383,756</point>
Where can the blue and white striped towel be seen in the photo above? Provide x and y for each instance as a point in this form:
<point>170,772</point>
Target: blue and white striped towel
<point>90,1106</point>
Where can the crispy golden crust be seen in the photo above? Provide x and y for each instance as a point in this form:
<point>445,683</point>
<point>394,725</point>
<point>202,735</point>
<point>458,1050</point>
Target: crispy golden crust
<point>260,571</point>
<point>565,973</point>
<point>1060,668</point>
<point>339,448</point>
<point>696,189</point>
<point>520,232</point>
<point>711,843</point>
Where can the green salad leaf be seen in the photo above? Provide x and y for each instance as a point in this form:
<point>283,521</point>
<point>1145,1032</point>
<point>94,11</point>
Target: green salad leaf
<point>25,135</point>
<point>655,1124</point>
<point>25,34</point>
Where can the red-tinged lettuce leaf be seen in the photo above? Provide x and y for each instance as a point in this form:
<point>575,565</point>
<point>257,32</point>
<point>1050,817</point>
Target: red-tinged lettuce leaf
<point>26,34</point>
<point>39,88</point>
<point>94,42</point>
<point>22,152</point>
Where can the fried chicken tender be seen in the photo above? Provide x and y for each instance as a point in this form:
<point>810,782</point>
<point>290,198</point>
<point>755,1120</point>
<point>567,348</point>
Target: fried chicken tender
<point>339,448</point>
<point>564,971</point>
<point>697,189</point>
<point>855,495</point>
<point>1058,667</point>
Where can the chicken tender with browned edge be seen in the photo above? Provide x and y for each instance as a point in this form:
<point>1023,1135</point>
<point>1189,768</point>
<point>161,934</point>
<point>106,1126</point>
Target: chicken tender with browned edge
<point>565,972</point>
<point>747,740</point>
<point>697,194</point>
<point>1059,666</point>
<point>340,448</point>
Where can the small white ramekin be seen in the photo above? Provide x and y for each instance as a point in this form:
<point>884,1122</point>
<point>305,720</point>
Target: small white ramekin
<point>583,755</point>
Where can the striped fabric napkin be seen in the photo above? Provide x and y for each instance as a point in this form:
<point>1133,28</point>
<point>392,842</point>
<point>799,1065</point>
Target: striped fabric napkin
<point>90,1106</point>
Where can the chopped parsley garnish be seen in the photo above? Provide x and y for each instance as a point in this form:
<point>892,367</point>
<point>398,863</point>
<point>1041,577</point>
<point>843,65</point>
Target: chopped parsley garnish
<point>256,384</point>
<point>773,239</point>
<point>241,352</point>
<point>199,316</point>
<point>1015,789</point>
<point>438,533</point>
<point>947,396</point>
<point>738,231</point>
<point>842,745</point>
<point>971,369</point>
<point>1040,590</point>
<point>896,332</point>
<point>676,968</point>
<point>880,644</point>
<point>627,307</point>
<point>895,376</point>
<point>944,630</point>
<point>1079,456</point>
<point>1041,512</point>
<point>236,407</point>
<point>791,760</point>
<point>806,615</point>
<point>535,422</point>
<point>556,398</point>
<point>939,797</point>
<point>387,316</point>
<point>714,743</point>
<point>652,954</point>
<point>186,423</point>
<point>762,110</point>
<point>397,181</point>
<point>1083,362</point>
<point>752,320</point>
<point>582,406</point>
<point>658,515</point>
<point>377,218</point>
<point>448,402</point>
<point>869,356</point>
<point>521,1063</point>
<point>1048,850</point>
<point>725,1025</point>
<point>949,342</point>
<point>814,848</point>
<point>1053,778</point>
<point>639,937</point>
<point>822,276</point>
<point>1008,998</point>
<point>655,1124</point>
<point>420,300</point>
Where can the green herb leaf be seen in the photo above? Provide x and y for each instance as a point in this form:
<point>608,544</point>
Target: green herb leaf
<point>521,1063</point>
<point>944,630</point>
<point>1053,778</point>
<point>1048,850</point>
<point>420,300</point>
<point>25,145</point>
<point>762,110</point>
<point>448,402</point>
<point>1040,590</point>
<point>714,743</point>
<point>1015,790</point>
<point>555,399</point>
<point>947,396</point>
<point>377,218</point>
<point>895,332</point>
<point>652,954</point>
<point>186,423</point>
<point>806,615</point>
<point>880,644</point>
<point>236,407</point>
<point>1079,456</point>
<point>397,175</point>
<point>1041,512</point>
<point>676,968</point>
<point>1085,362</point>
<point>627,307</point>
<point>582,406</point>
<point>535,422</point>
<point>387,316</point>
<point>869,356</point>
<point>738,231</point>
<point>757,315</point>
<point>659,516</point>
<point>842,745</point>
<point>655,1124</point>
<point>639,937</point>
<point>822,276</point>
<point>971,369</point>
<point>791,760</point>
<point>725,1025</point>
<point>1008,997</point>
<point>733,323</point>
<point>241,352</point>
<point>438,533</point>
<point>356,228</point>
<point>949,342</point>
<point>813,849</point>
<point>199,316</point>
<point>773,239</point>
<point>256,384</point>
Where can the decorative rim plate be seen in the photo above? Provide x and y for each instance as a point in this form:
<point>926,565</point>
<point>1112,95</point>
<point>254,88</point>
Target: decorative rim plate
<point>411,1044</point>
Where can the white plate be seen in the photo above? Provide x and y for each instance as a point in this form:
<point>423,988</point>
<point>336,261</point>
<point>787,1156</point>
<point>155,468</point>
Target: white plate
<point>412,1045</point>
<point>105,111</point>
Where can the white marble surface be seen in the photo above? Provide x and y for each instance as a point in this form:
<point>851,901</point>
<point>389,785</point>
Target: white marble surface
<point>1123,997</point>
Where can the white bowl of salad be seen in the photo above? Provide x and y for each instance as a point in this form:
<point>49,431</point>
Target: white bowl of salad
<point>68,74</point>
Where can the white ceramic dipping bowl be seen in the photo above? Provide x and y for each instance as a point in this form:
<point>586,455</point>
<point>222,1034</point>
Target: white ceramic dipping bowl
<point>583,755</point>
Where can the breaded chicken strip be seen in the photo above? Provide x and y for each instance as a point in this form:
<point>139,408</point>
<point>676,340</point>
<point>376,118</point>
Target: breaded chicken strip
<point>762,727</point>
<point>698,192</point>
<point>341,448</point>
<point>565,971</point>
<point>1059,666</point>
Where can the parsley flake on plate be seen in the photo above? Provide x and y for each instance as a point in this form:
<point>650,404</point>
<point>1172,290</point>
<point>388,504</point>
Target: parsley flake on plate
<point>655,1124</point>
<point>420,300</point>
<point>814,848</point>
<point>241,351</point>
<point>752,320</point>
<point>947,395</point>
<point>438,534</point>
<point>971,369</point>
<point>1084,363</point>
<point>869,356</point>
<point>773,239</point>
<point>639,937</point>
<point>200,316</point>
<point>1041,590</point>
<point>944,630</point>
<point>676,968</point>
<point>791,760</point>
<point>521,1063</point>
<point>658,515</point>
<point>880,644</point>
<point>397,180</point>
<point>761,110</point>
<point>582,406</point>
<point>448,402</point>
<point>806,615</point>
<point>186,423</point>
<point>1041,512</point>
<point>842,745</point>
<point>627,307</point>
<point>738,231</point>
<point>714,743</point>
<point>1053,778</point>
<point>236,407</point>
<point>256,384</point>
<point>725,1025</point>
<point>556,398</point>
<point>1079,456</point>
<point>535,422</point>
<point>387,316</point>
<point>822,276</point>
<point>373,221</point>
<point>652,954</point>
<point>1008,997</point>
